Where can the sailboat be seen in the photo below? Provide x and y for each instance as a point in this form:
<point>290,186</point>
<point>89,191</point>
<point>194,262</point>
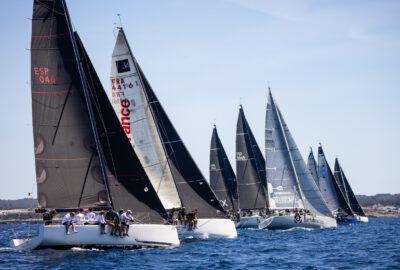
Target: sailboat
<point>351,199</point>
<point>312,167</point>
<point>83,157</point>
<point>222,177</point>
<point>251,178</point>
<point>171,169</point>
<point>333,192</point>
<point>293,194</point>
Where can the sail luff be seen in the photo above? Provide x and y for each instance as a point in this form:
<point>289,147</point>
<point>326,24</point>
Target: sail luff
<point>88,103</point>
<point>312,167</point>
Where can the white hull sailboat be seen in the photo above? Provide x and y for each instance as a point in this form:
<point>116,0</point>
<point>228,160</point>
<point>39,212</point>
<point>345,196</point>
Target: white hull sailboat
<point>291,187</point>
<point>83,159</point>
<point>88,236</point>
<point>209,228</point>
<point>362,219</point>
<point>292,221</point>
<point>171,169</point>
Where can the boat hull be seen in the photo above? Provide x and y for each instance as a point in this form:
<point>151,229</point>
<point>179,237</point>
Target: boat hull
<point>249,222</point>
<point>346,221</point>
<point>140,235</point>
<point>290,222</point>
<point>209,228</point>
<point>362,219</point>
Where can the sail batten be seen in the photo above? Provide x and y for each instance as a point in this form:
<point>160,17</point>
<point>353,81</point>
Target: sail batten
<point>251,182</point>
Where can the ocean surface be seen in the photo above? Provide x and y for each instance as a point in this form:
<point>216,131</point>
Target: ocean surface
<point>373,245</point>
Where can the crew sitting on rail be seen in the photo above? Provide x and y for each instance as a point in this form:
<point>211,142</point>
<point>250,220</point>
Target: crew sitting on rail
<point>112,219</point>
<point>102,222</point>
<point>67,222</point>
<point>79,218</point>
<point>182,216</point>
<point>90,216</point>
<point>192,220</point>
<point>126,218</point>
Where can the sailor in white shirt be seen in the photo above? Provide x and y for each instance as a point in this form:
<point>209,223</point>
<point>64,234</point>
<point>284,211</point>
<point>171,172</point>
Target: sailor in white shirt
<point>67,222</point>
<point>102,222</point>
<point>79,218</point>
<point>90,216</point>
<point>125,219</point>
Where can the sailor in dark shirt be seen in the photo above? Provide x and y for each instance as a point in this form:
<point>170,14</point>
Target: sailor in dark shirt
<point>48,217</point>
<point>182,216</point>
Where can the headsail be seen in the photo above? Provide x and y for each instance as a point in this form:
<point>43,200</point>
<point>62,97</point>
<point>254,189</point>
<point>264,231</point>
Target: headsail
<point>329,188</point>
<point>192,188</point>
<point>351,198</point>
<point>131,105</point>
<point>312,167</point>
<point>222,177</point>
<point>289,180</point>
<point>68,169</point>
<point>250,170</point>
<point>130,187</point>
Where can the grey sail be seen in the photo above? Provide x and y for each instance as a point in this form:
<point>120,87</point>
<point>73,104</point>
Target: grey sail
<point>67,161</point>
<point>329,187</point>
<point>250,175</point>
<point>351,198</point>
<point>312,167</point>
<point>222,177</point>
<point>289,181</point>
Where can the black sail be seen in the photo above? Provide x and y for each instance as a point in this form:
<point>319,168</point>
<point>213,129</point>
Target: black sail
<point>251,179</point>
<point>351,198</point>
<point>130,187</point>
<point>327,177</point>
<point>193,189</point>
<point>66,157</point>
<point>222,177</point>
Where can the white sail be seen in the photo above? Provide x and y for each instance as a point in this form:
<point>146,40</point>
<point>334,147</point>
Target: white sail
<point>283,154</point>
<point>131,106</point>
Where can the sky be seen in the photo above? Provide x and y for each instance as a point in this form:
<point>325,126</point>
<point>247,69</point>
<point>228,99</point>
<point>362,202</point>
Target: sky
<point>333,67</point>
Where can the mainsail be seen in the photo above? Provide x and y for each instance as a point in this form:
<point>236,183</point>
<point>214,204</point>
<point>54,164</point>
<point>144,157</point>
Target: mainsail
<point>329,187</point>
<point>350,197</point>
<point>68,167</point>
<point>131,105</point>
<point>222,177</point>
<point>312,167</point>
<point>79,143</point>
<point>193,189</point>
<point>250,170</point>
<point>290,183</point>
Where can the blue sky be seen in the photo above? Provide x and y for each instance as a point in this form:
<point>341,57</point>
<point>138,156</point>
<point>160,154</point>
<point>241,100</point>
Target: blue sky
<point>333,67</point>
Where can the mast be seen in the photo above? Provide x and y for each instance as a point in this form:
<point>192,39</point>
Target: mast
<point>151,110</point>
<point>289,152</point>
<point>89,105</point>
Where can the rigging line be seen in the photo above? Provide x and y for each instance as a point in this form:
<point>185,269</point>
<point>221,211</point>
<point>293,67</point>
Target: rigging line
<point>86,175</point>
<point>61,114</point>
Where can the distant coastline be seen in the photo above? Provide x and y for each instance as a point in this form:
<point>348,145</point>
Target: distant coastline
<point>22,210</point>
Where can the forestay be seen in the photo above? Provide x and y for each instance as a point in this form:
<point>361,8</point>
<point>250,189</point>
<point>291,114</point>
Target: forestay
<point>131,105</point>
<point>250,170</point>
<point>329,187</point>
<point>291,182</point>
<point>222,177</point>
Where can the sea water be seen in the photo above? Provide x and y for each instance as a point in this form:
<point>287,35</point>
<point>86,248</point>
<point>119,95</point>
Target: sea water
<point>373,245</point>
